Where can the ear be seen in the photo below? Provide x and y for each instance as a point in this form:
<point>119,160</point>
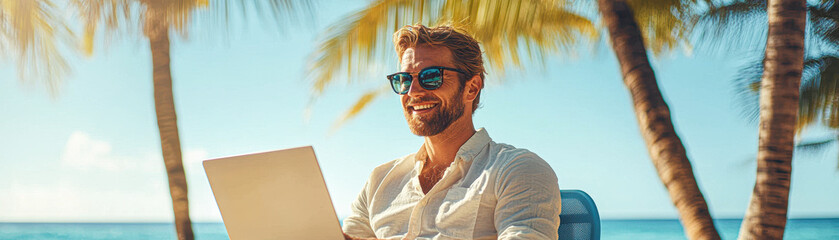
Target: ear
<point>472,88</point>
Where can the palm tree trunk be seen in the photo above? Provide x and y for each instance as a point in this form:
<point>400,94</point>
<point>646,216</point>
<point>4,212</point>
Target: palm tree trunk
<point>164,104</point>
<point>666,150</point>
<point>766,216</point>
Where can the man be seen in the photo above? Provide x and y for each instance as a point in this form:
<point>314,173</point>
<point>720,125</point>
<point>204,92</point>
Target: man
<point>460,184</point>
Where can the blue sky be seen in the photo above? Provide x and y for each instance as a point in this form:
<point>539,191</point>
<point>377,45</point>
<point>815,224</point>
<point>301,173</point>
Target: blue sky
<point>92,153</point>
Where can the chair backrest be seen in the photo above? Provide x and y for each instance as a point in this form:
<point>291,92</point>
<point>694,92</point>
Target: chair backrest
<point>579,218</point>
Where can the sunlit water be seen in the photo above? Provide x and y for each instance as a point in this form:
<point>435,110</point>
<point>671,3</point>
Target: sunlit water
<point>611,229</point>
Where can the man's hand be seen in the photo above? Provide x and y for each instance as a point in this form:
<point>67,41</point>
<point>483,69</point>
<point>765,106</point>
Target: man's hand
<point>348,237</point>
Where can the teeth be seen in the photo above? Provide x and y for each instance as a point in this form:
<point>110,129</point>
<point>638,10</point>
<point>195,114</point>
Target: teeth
<point>422,107</point>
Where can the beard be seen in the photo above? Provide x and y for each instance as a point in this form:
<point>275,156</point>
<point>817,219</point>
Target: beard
<point>437,121</point>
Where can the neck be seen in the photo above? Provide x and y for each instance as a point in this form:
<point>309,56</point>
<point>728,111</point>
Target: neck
<point>443,147</point>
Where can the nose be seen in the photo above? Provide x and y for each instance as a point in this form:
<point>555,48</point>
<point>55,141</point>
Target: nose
<point>416,89</point>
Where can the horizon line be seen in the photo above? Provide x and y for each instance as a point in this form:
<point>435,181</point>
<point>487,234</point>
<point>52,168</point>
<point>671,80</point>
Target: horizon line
<point>220,222</point>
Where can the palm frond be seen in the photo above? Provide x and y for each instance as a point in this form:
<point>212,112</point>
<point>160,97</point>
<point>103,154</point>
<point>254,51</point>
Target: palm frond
<point>810,103</point>
<point>735,12</point>
<point>747,87</point>
<point>359,105</point>
<point>824,24</point>
<point>279,13</point>
<point>541,27</point>
<point>356,43</point>
<point>818,90</point>
<point>826,95</point>
<point>502,27</point>
<point>121,16</point>
<point>5,32</point>
<point>32,31</point>
<point>177,15</point>
<point>741,24</point>
<point>815,147</point>
<point>114,14</point>
<point>664,24</point>
<point>731,26</point>
<point>358,40</point>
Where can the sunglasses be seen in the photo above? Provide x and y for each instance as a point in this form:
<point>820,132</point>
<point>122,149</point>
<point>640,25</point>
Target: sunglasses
<point>430,78</point>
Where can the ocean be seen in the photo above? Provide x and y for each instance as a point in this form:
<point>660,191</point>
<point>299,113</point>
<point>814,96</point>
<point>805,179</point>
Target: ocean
<point>610,229</point>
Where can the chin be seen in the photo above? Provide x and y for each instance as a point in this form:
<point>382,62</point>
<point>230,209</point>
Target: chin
<point>422,131</point>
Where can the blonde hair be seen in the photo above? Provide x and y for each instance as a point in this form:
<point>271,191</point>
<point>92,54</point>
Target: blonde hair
<point>466,53</point>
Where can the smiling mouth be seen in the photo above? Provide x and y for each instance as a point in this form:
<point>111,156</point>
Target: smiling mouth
<point>422,108</point>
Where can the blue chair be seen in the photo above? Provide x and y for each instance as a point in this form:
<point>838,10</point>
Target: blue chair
<point>579,218</point>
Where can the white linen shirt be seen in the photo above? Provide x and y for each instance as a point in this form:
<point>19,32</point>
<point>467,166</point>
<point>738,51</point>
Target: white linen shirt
<point>491,190</point>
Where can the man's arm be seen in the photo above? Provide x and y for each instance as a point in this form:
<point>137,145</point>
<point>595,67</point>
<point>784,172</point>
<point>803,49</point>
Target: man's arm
<point>528,200</point>
<point>348,237</point>
<point>357,224</point>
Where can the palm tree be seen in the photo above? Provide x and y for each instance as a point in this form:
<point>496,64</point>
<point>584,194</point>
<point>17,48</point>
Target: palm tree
<point>661,22</point>
<point>31,32</point>
<point>666,149</point>
<point>821,63</point>
<point>156,19</point>
<point>789,68</point>
<point>783,63</point>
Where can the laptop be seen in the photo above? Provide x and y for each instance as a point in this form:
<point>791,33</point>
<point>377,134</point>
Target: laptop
<point>273,195</point>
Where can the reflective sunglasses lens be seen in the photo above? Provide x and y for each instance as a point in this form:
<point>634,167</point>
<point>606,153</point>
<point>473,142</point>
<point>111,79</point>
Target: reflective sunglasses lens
<point>401,83</point>
<point>431,78</point>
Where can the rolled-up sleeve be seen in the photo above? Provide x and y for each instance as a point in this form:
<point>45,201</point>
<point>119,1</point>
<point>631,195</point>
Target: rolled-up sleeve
<point>529,203</point>
<point>358,223</point>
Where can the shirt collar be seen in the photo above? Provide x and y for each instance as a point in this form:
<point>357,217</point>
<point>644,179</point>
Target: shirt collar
<point>468,151</point>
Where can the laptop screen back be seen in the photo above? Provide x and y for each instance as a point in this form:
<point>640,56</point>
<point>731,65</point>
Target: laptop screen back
<point>273,195</point>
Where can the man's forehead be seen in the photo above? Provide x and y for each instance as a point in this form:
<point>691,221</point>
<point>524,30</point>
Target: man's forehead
<point>425,56</point>
<point>408,57</point>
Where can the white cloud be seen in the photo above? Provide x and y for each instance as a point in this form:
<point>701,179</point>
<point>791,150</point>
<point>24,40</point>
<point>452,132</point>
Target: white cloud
<point>83,152</point>
<point>86,153</point>
<point>72,201</point>
<point>98,182</point>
